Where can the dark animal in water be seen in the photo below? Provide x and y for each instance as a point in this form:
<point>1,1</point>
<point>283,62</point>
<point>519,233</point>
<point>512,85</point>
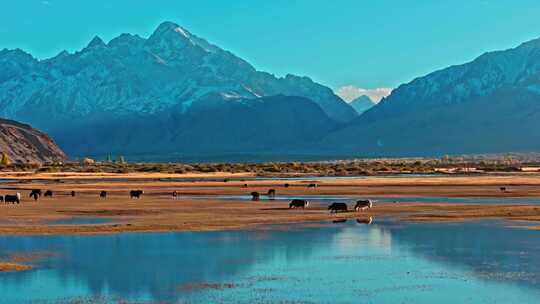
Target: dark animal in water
<point>12,199</point>
<point>35,193</point>
<point>363,204</point>
<point>135,193</point>
<point>272,193</point>
<point>503,189</point>
<point>298,203</point>
<point>48,193</point>
<point>337,207</point>
<point>286,185</point>
<point>255,196</point>
<point>103,194</point>
<point>312,186</point>
<point>367,221</point>
<point>339,221</point>
<point>73,193</point>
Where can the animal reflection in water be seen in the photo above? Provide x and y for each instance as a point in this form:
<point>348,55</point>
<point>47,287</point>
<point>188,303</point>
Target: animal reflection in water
<point>365,221</point>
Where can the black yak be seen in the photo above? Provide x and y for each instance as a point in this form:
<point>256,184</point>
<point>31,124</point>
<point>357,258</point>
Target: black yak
<point>337,207</point>
<point>298,203</point>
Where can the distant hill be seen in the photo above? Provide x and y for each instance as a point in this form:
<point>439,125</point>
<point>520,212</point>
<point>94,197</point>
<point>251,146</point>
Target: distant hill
<point>362,104</point>
<point>211,125</point>
<point>23,144</point>
<point>491,104</point>
<point>173,84</point>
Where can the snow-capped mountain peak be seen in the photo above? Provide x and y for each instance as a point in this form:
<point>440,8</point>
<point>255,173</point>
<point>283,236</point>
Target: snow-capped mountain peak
<point>169,71</point>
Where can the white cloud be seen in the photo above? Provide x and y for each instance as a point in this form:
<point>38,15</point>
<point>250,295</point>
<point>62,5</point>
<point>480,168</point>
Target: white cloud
<point>350,92</point>
<point>46,3</point>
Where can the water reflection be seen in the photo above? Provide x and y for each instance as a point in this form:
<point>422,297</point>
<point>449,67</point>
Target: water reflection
<point>384,262</point>
<point>325,199</point>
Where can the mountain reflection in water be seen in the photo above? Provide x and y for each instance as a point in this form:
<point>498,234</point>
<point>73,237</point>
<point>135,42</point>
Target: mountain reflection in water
<point>384,261</point>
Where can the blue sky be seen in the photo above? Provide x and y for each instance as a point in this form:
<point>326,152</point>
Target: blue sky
<point>366,44</point>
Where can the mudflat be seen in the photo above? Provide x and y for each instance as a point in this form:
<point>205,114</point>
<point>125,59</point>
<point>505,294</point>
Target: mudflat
<point>198,207</point>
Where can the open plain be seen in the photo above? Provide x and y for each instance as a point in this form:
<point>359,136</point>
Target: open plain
<point>200,205</point>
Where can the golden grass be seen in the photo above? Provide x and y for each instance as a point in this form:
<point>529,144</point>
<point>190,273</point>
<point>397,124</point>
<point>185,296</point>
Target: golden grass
<point>157,211</point>
<point>11,267</point>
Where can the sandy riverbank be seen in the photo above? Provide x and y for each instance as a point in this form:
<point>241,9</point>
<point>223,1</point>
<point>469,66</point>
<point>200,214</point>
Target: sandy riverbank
<point>157,211</point>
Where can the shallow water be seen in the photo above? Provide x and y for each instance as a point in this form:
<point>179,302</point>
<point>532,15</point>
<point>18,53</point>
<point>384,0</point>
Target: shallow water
<point>385,262</point>
<point>325,199</point>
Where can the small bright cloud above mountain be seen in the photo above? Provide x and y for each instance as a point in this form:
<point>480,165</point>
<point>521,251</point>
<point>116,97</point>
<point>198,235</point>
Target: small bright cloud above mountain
<point>350,93</point>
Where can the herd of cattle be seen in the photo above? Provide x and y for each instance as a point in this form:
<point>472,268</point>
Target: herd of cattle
<point>295,203</point>
<point>37,193</point>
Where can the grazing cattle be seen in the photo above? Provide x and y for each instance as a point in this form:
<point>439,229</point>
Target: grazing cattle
<point>367,221</point>
<point>103,194</point>
<point>1,199</point>
<point>339,221</point>
<point>18,195</point>
<point>245,185</point>
<point>312,186</point>
<point>35,196</point>
<point>73,193</point>
<point>286,185</point>
<point>135,193</point>
<point>337,207</point>
<point>363,204</point>
<point>503,189</point>
<point>255,196</point>
<point>35,193</point>
<point>298,203</point>
<point>48,193</point>
<point>12,199</point>
<point>272,193</point>
<point>175,194</point>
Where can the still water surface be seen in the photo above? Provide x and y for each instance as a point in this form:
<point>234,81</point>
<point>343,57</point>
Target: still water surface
<point>386,262</point>
<point>325,199</point>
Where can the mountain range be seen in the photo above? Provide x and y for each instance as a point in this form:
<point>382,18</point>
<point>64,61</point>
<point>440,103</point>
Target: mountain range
<point>170,93</point>
<point>175,94</point>
<point>489,105</point>
<point>362,104</point>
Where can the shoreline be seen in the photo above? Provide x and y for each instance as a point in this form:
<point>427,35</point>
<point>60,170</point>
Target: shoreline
<point>149,223</point>
<point>200,209</point>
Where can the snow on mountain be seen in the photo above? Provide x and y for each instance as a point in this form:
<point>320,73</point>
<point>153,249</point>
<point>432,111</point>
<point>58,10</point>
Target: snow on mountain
<point>514,68</point>
<point>169,77</point>
<point>172,68</point>
<point>489,105</point>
